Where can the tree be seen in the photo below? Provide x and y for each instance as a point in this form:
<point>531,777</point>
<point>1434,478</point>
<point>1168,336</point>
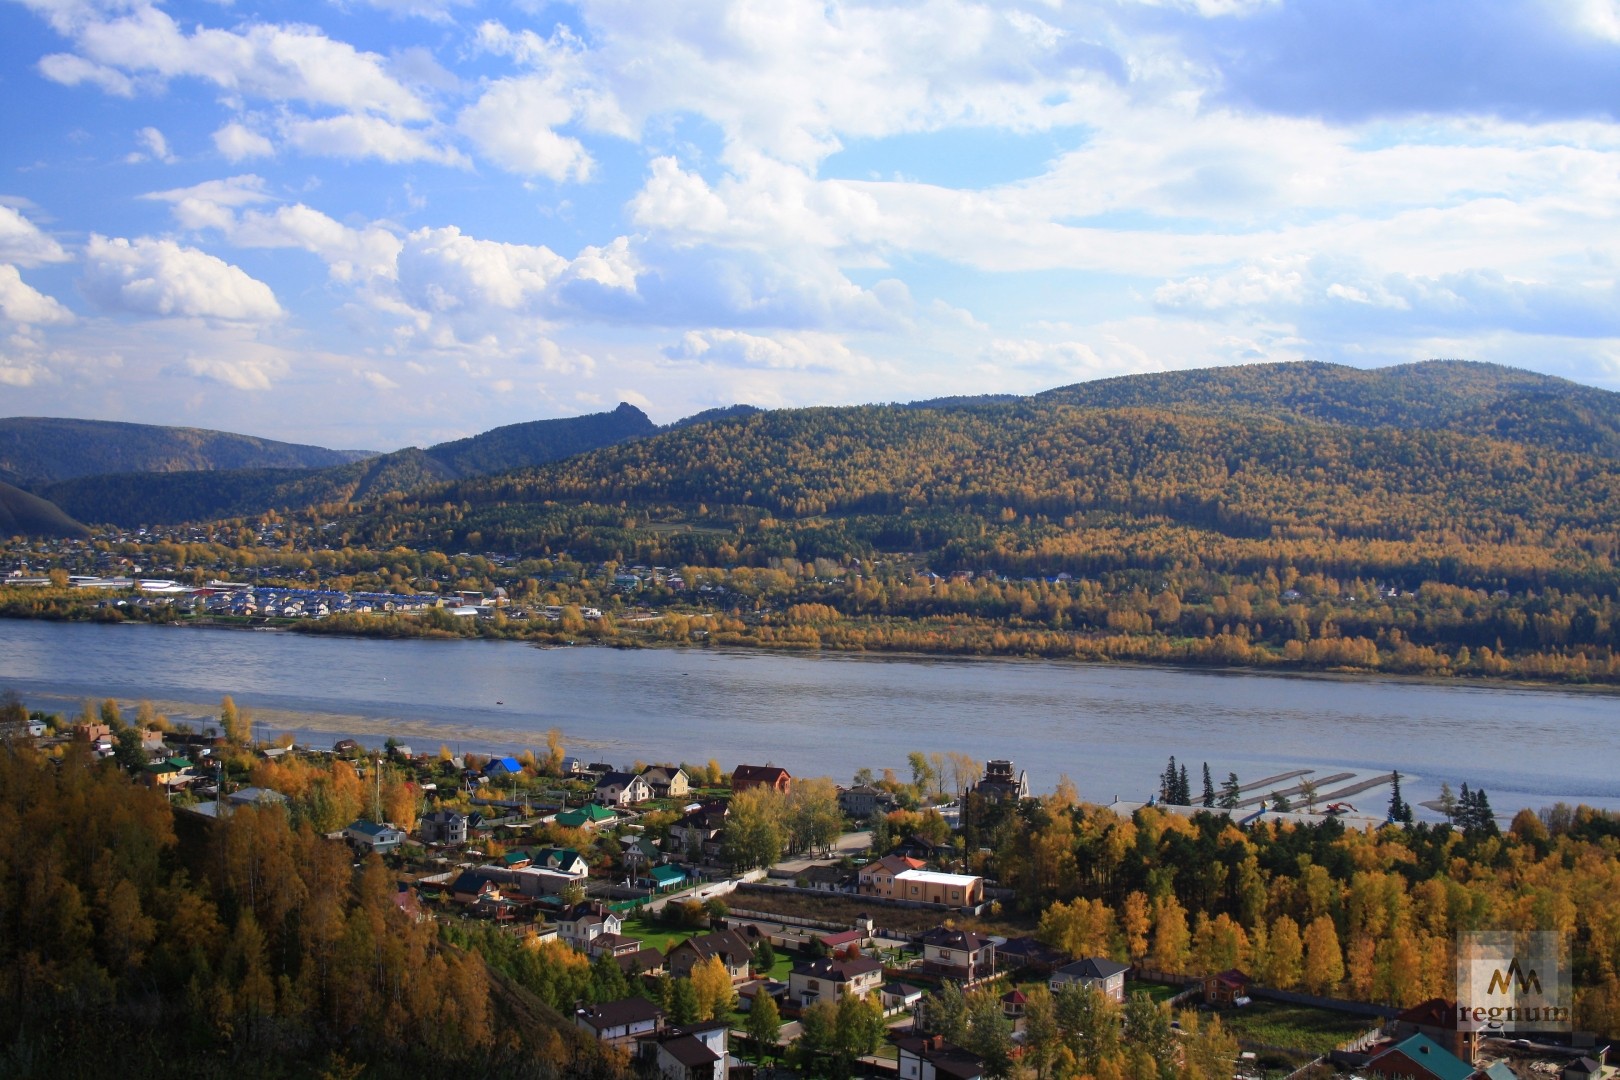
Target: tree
<point>1147,1028</point>
<point>1170,937</point>
<point>1209,787</point>
<point>607,979</point>
<point>683,1002</point>
<point>711,984</point>
<point>989,1033</point>
<point>755,829</point>
<point>922,774</point>
<point>1447,801</point>
<point>232,723</point>
<point>1183,788</point>
<point>858,1029</point>
<point>1285,952</point>
<point>1307,794</point>
<point>764,956</point>
<point>1041,1034</point>
<point>1231,792</point>
<point>814,817</point>
<point>1280,801</point>
<point>763,1025</point>
<point>1080,927</point>
<point>1398,808</point>
<point>1324,960</point>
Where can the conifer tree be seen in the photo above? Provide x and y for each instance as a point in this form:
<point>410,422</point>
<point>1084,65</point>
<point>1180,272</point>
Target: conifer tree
<point>1209,787</point>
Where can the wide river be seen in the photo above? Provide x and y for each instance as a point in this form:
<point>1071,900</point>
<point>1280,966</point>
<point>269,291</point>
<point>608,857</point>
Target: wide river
<point>1109,728</point>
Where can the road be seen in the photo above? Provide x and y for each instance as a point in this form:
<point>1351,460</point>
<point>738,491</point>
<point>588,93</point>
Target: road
<point>850,843</point>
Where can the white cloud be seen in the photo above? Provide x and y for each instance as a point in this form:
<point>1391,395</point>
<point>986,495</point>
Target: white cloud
<point>782,352</point>
<point>22,243</point>
<point>237,371</point>
<point>354,137</point>
<point>443,270</point>
<point>513,124</point>
<point>160,278</point>
<point>237,143</point>
<point>153,146</point>
<point>278,62</point>
<point>211,203</point>
<point>22,303</point>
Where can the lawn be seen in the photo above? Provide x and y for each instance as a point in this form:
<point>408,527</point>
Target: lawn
<point>1156,990</point>
<point>1313,1031</point>
<point>655,934</point>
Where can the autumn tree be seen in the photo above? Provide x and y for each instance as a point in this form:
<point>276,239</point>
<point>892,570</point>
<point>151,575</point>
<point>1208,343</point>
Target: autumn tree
<point>1324,961</point>
<point>711,986</point>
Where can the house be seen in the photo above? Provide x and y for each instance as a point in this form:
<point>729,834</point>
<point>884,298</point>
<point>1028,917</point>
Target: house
<point>824,878</point>
<point>639,852</point>
<point>374,836</point>
<point>877,878</point>
<point>898,997</point>
<point>470,887</point>
<point>443,827</point>
<point>1226,987</point>
<point>620,1023</point>
<point>1013,1004</point>
<point>667,781</point>
<point>932,887</point>
<point>584,923</point>
<point>1437,1018</point>
<point>502,766</point>
<point>957,954</point>
<point>562,861</point>
<point>1095,973</point>
<point>734,947</point>
<point>664,878</point>
<point>621,789</point>
<point>256,796</point>
<point>688,835</point>
<point>515,860</point>
<point>168,773</point>
<point>1582,1068</point>
<point>645,961</point>
<point>1000,784</point>
<point>931,1057</point>
<point>744,777</point>
<point>862,802</point>
<point>586,817</point>
<point>831,979</point>
<point>614,945</point>
<point>696,1052</point>
<point>92,733</point>
<point>1028,953</point>
<point>1418,1057</point>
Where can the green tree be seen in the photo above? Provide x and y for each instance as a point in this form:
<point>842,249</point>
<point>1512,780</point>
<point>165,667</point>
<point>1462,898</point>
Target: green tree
<point>1209,787</point>
<point>1231,792</point>
<point>683,1002</point>
<point>763,1025</point>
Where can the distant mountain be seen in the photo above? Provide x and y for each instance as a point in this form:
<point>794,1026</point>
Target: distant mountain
<point>1436,395</point>
<point>166,498</point>
<point>707,416</point>
<point>22,514</point>
<point>36,451</point>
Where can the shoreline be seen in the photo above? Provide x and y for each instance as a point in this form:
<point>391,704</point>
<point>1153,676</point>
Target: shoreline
<point>1460,681</point>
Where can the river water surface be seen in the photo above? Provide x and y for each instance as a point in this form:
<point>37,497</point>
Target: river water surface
<point>1109,728</point>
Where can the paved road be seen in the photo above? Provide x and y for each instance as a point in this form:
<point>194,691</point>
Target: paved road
<point>850,843</point>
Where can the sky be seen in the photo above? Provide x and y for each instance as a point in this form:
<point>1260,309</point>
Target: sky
<point>376,223</point>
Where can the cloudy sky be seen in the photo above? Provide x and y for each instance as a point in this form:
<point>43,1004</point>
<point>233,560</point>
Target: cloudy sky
<point>374,223</point>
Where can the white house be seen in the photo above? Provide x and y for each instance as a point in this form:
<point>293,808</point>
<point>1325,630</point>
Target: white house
<point>1097,972</point>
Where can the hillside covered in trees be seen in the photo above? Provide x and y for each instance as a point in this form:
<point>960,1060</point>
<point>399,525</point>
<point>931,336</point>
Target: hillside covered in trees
<point>1216,526</point>
<point>150,497</point>
<point>36,451</point>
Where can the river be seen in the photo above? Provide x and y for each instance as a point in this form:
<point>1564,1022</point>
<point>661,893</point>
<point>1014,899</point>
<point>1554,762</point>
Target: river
<point>1109,728</point>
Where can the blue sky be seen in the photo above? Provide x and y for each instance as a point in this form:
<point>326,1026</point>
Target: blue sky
<point>377,223</point>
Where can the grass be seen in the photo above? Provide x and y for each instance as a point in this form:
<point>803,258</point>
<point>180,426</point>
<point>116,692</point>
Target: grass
<point>657,935</point>
<point>1155,990</point>
<point>1312,1031</point>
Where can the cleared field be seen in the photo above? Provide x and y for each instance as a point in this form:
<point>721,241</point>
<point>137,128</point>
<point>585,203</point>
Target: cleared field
<point>1298,1027</point>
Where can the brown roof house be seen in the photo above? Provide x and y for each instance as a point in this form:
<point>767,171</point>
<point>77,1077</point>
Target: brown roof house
<point>932,1058</point>
<point>1095,972</point>
<point>744,777</point>
<point>831,979</point>
<point>620,1023</point>
<point>1437,1018</point>
<point>957,954</point>
<point>1226,987</point>
<point>734,947</point>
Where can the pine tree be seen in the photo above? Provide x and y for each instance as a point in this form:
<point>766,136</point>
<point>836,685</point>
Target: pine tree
<point>1231,792</point>
<point>1167,782</point>
<point>1399,810</point>
<point>1183,788</point>
<point>1209,787</point>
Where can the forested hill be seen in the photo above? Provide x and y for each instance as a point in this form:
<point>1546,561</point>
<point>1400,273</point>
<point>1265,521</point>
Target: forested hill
<point>22,514</point>
<point>165,498</point>
<point>37,451</point>
<point>1447,395</point>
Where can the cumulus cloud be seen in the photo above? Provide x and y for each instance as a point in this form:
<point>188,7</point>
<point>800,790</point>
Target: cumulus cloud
<point>1336,299</point>
<point>22,243</point>
<point>277,62</point>
<point>154,147</point>
<point>354,137</point>
<point>236,142</point>
<point>238,371</point>
<point>160,278</point>
<point>513,124</point>
<point>444,270</point>
<point>792,352</point>
<point>211,203</point>
<point>22,303</point>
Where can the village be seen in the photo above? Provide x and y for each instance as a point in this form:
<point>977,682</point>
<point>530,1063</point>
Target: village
<point>748,922</point>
